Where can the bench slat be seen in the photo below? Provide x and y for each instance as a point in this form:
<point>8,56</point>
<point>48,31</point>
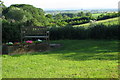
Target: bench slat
<point>36,36</point>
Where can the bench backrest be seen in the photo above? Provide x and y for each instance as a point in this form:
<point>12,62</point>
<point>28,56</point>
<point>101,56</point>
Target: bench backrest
<point>33,31</point>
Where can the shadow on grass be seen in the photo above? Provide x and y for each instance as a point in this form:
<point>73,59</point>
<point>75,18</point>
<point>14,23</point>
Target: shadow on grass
<point>83,50</point>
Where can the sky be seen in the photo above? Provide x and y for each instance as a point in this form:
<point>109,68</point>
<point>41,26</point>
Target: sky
<point>66,4</point>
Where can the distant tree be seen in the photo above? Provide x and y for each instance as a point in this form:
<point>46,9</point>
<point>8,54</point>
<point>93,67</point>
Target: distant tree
<point>107,16</point>
<point>66,17</point>
<point>48,16</point>
<point>58,17</point>
<point>81,14</point>
<point>88,14</point>
<point>71,15</point>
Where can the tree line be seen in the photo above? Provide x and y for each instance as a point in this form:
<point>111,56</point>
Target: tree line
<point>16,15</point>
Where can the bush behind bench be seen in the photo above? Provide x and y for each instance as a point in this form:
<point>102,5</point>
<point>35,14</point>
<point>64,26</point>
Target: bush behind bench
<point>11,32</point>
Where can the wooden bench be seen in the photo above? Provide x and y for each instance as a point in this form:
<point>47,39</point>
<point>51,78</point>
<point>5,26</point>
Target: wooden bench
<point>34,32</point>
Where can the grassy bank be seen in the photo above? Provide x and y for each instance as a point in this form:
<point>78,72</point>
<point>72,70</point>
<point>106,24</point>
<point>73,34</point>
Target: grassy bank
<point>107,21</point>
<point>75,59</point>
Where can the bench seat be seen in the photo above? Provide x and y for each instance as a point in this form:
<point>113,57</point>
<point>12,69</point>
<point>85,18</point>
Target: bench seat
<point>36,36</point>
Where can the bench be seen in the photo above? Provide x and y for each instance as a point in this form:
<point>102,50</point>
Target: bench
<point>34,32</point>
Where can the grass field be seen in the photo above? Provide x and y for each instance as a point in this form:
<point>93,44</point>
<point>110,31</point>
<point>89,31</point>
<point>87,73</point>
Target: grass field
<point>107,21</point>
<point>75,59</point>
<point>96,14</point>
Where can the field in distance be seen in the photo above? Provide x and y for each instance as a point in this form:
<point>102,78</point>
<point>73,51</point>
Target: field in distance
<point>106,22</point>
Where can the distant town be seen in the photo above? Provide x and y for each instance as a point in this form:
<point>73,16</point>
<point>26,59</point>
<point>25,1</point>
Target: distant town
<point>54,12</point>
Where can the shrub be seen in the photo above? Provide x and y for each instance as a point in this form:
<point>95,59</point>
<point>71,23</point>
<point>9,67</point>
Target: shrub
<point>99,31</point>
<point>10,31</point>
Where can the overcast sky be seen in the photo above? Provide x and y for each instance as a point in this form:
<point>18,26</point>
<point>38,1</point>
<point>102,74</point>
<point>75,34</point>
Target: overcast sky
<point>66,4</point>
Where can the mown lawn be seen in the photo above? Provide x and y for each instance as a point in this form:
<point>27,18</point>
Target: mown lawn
<point>75,59</point>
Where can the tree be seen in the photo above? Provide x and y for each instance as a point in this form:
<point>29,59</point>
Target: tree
<point>88,14</point>
<point>81,14</point>
<point>2,4</point>
<point>48,16</point>
<point>71,15</point>
<point>58,17</point>
<point>26,13</point>
<point>17,14</point>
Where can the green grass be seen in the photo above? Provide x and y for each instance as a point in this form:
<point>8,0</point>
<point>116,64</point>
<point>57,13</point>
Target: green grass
<point>75,59</point>
<point>107,22</point>
<point>97,14</point>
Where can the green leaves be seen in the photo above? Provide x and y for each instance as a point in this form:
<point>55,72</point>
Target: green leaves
<point>15,14</point>
<point>25,13</point>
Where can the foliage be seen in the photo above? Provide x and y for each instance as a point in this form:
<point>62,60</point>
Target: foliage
<point>60,25</point>
<point>81,14</point>
<point>10,31</point>
<point>73,18</point>
<point>17,14</point>
<point>26,13</point>
<point>2,4</point>
<point>110,21</point>
<point>58,17</point>
<point>48,16</point>
<point>69,15</point>
<point>107,16</point>
<point>102,31</point>
<point>78,20</point>
<point>99,31</point>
